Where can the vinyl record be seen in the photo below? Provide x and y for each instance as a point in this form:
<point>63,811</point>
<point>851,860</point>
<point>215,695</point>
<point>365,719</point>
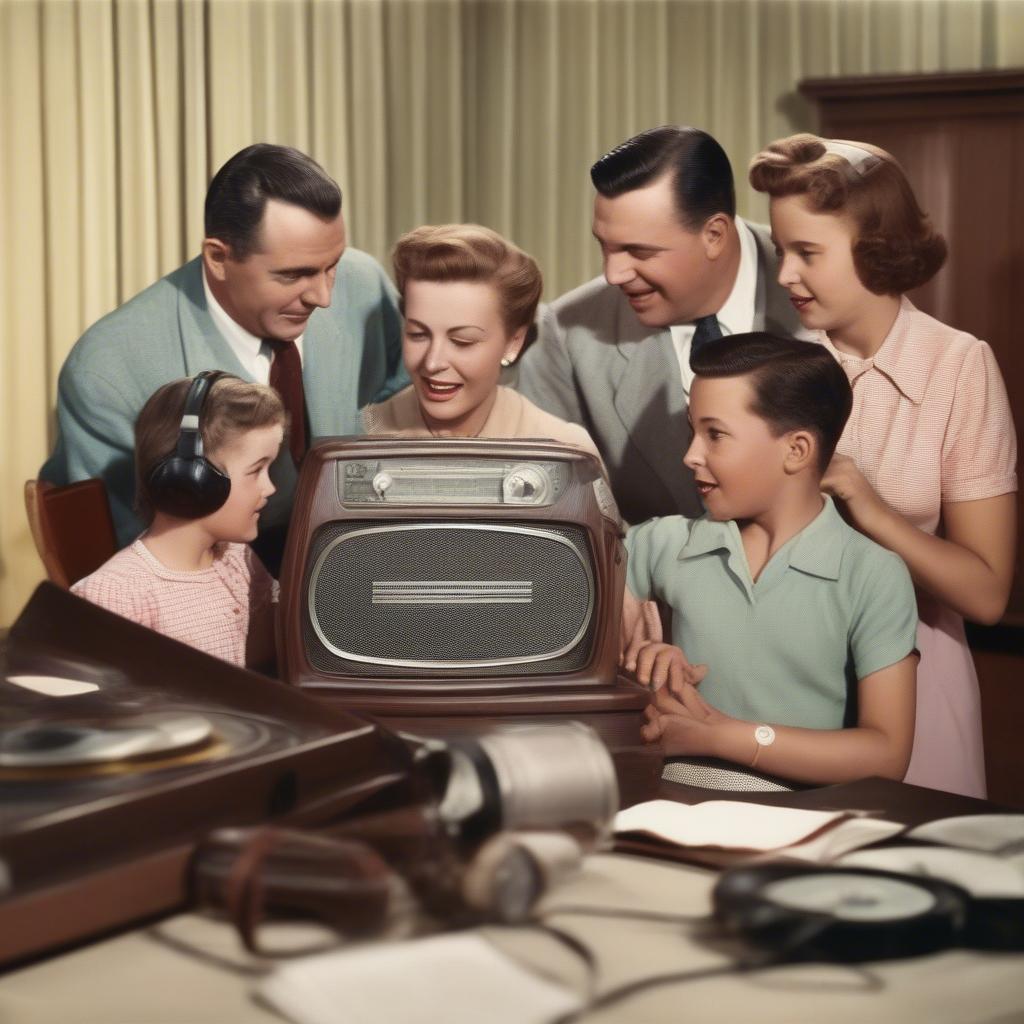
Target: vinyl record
<point>845,914</point>
<point>56,749</point>
<point>995,887</point>
<point>59,743</point>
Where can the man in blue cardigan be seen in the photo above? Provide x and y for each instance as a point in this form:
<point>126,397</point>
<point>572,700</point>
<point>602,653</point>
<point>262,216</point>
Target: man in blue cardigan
<point>274,283</point>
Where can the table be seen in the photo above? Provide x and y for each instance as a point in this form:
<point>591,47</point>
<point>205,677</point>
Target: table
<point>190,970</point>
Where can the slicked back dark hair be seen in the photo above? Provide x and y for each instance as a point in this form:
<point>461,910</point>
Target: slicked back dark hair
<point>700,172</point>
<point>239,192</point>
<point>797,385</point>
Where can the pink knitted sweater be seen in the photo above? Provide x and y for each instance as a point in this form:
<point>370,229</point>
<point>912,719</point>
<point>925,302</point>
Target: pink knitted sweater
<point>216,610</point>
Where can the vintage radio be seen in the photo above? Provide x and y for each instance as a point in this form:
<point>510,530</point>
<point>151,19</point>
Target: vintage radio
<point>446,584</point>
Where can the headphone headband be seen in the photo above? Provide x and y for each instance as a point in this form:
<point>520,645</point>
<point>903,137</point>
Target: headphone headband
<point>190,435</point>
<point>186,484</point>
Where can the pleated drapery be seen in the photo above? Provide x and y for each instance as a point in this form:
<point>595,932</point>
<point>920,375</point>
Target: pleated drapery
<point>114,113</point>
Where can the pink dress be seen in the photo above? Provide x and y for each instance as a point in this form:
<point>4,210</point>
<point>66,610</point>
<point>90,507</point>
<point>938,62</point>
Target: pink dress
<point>931,423</point>
<point>224,610</point>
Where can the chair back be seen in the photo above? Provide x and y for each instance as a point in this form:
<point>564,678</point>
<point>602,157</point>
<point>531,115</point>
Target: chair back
<point>72,528</point>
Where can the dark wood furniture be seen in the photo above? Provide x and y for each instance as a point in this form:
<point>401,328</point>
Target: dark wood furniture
<point>71,526</point>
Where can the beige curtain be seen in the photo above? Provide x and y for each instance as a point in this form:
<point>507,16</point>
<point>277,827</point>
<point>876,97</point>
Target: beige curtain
<point>113,114</point>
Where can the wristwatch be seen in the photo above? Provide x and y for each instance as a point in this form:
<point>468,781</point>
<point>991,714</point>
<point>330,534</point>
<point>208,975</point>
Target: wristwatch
<point>764,736</point>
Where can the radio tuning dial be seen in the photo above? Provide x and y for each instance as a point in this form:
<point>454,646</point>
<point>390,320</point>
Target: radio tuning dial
<point>382,483</point>
<point>526,485</point>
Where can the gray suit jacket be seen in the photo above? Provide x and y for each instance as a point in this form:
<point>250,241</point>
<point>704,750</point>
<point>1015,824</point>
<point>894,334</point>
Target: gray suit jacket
<point>595,364</point>
<point>351,356</point>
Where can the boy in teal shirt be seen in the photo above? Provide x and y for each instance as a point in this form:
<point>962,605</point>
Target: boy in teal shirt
<point>807,628</point>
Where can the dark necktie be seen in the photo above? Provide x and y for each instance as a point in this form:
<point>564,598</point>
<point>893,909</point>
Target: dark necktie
<point>286,380</point>
<point>707,331</point>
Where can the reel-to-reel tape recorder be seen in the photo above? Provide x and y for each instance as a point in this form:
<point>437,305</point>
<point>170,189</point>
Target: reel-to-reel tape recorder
<point>120,749</point>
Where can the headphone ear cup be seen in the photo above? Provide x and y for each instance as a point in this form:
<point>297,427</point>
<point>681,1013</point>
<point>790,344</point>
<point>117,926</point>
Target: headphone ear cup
<point>188,488</point>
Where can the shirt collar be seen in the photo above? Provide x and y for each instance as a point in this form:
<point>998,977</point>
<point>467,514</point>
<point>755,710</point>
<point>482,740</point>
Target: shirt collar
<point>900,356</point>
<point>737,313</point>
<point>233,332</point>
<point>815,550</point>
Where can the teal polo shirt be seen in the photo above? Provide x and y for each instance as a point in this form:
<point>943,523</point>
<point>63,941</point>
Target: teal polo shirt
<point>829,608</point>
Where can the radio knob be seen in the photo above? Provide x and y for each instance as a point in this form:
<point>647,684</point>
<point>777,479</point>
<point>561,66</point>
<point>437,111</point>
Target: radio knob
<point>382,484</point>
<point>526,485</point>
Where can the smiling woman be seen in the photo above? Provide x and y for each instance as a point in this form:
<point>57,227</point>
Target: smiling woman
<point>469,298</point>
<point>927,463</point>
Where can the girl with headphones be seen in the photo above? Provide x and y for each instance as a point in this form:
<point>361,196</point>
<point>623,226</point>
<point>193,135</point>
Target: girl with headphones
<point>203,450</point>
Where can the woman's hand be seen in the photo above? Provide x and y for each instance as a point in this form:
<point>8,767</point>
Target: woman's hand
<point>843,480</point>
<point>969,569</point>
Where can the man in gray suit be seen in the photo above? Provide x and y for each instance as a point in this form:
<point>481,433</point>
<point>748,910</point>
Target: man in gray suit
<point>275,296</point>
<point>680,269</point>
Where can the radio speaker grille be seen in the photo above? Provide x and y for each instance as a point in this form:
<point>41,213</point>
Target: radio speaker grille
<point>440,599</point>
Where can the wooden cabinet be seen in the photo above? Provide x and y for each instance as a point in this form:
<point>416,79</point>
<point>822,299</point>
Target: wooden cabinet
<point>960,139</point>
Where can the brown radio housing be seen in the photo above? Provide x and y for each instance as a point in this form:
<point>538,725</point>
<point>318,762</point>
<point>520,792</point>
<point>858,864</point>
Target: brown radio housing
<point>448,585</point>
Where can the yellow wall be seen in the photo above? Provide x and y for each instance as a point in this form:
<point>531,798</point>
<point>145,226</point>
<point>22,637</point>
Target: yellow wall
<point>113,114</point>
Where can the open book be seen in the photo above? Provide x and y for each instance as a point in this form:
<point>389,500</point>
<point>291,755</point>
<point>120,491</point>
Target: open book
<point>738,827</point>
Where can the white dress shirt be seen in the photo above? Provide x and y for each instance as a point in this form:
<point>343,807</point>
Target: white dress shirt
<point>253,353</point>
<point>737,313</point>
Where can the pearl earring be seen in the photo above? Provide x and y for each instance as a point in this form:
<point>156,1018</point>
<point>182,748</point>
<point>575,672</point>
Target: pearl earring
<point>505,361</point>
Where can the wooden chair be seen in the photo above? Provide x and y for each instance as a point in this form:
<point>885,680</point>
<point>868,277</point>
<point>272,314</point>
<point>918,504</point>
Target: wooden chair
<point>71,526</point>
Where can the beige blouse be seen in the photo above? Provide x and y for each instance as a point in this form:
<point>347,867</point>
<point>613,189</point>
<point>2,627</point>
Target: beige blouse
<point>511,416</point>
<point>931,421</point>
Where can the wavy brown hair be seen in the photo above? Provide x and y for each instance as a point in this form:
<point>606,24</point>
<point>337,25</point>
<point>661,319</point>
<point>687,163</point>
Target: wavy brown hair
<point>471,252</point>
<point>896,248</point>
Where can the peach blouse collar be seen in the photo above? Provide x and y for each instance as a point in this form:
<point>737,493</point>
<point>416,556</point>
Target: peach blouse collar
<point>901,357</point>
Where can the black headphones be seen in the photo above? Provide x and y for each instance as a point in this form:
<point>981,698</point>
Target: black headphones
<point>186,484</point>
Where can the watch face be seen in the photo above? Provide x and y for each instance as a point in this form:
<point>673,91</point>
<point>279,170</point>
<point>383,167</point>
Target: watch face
<point>850,897</point>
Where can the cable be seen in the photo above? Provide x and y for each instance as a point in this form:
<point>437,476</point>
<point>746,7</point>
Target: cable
<point>577,947</point>
<point>673,977</point>
<point>807,933</point>
<point>579,910</point>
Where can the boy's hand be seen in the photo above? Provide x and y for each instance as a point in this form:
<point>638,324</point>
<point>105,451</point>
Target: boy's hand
<point>688,702</point>
<point>659,665</point>
<point>641,625</point>
<point>680,727</point>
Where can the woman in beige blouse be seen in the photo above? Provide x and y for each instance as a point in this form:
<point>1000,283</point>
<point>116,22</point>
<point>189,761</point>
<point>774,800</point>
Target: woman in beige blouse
<point>468,297</point>
<point>927,463</point>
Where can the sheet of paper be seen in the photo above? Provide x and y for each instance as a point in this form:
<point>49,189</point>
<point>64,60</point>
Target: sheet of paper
<point>724,824</point>
<point>843,837</point>
<point>980,874</point>
<point>457,979</point>
<point>993,833</point>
